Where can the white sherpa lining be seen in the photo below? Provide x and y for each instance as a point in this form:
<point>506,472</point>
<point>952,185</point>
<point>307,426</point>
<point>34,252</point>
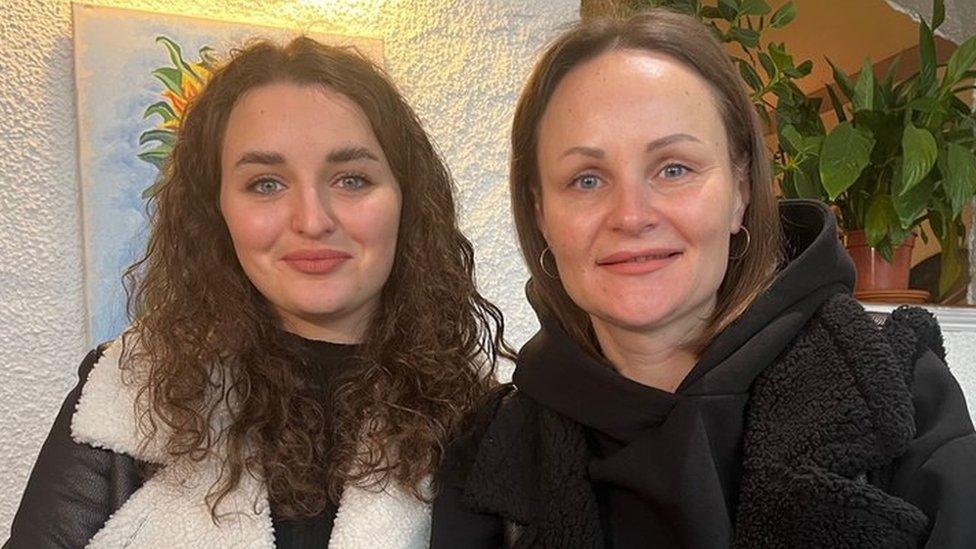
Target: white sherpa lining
<point>170,509</point>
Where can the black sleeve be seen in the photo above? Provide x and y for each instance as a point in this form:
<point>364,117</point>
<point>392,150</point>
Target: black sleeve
<point>455,525</point>
<point>938,473</point>
<point>74,487</point>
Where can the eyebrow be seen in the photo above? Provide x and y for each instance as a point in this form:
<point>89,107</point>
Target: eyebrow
<point>345,154</point>
<point>260,157</point>
<point>659,143</point>
<point>348,154</point>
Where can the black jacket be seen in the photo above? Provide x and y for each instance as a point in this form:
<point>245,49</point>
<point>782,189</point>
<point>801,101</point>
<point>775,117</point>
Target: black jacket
<point>75,487</point>
<point>802,425</point>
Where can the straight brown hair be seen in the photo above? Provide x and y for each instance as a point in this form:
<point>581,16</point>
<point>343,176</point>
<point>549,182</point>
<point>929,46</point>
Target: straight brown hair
<point>753,262</point>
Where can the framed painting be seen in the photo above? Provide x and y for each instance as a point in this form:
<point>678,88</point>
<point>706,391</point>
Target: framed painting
<point>135,71</point>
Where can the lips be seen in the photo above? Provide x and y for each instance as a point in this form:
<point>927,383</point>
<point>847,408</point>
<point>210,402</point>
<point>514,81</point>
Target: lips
<point>316,261</point>
<point>639,261</point>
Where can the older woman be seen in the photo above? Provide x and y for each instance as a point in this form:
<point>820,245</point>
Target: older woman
<point>702,376</point>
<point>292,372</point>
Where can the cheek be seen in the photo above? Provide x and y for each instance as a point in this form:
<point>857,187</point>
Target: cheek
<point>375,223</point>
<point>251,231</point>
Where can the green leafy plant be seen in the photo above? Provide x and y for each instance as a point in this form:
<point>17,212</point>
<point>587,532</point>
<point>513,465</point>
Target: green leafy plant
<point>766,67</point>
<point>901,153</point>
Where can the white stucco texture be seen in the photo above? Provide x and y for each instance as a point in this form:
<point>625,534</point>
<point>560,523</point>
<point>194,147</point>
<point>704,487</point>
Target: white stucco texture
<point>460,63</point>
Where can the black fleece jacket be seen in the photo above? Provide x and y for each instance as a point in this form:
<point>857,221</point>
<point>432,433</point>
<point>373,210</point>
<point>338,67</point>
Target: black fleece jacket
<point>802,425</point>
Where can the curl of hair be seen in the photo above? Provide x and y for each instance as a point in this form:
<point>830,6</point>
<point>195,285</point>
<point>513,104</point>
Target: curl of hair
<point>692,44</point>
<point>217,372</point>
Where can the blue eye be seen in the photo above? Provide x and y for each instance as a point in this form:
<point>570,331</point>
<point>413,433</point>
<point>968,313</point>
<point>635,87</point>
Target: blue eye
<point>587,182</point>
<point>352,182</point>
<point>674,171</point>
<point>266,186</point>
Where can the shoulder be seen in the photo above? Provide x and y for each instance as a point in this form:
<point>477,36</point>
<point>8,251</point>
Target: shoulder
<point>504,411</point>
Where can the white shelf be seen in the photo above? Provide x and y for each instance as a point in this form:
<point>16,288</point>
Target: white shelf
<point>951,319</point>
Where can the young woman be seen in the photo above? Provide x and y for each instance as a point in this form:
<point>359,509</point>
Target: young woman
<point>307,331</point>
<point>698,379</point>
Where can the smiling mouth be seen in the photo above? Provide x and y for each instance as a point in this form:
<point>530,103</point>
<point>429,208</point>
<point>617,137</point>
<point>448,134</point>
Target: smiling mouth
<point>623,259</point>
<point>645,258</point>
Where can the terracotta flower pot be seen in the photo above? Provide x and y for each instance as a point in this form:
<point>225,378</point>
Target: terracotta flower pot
<point>873,272</point>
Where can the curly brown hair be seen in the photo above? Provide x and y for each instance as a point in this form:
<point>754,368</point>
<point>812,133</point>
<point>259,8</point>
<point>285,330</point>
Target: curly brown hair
<point>209,343</point>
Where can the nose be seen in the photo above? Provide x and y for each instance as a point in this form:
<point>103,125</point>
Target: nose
<point>312,214</point>
<point>632,206</point>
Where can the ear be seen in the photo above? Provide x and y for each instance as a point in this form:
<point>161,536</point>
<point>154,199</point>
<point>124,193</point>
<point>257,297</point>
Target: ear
<point>540,217</point>
<point>740,201</point>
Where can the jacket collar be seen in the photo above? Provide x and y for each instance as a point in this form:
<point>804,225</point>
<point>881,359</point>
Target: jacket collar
<point>170,509</point>
<point>808,450</point>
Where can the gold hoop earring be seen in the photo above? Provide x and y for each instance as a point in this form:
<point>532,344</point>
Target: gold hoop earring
<point>542,262</point>
<point>744,248</point>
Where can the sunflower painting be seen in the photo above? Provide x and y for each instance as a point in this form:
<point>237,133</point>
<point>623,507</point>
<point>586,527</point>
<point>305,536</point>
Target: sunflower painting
<point>135,74</point>
<point>181,82</point>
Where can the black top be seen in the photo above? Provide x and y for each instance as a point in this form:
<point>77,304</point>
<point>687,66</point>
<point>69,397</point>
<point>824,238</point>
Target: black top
<point>665,468</point>
<point>692,437</point>
<point>325,360</point>
<point>74,488</point>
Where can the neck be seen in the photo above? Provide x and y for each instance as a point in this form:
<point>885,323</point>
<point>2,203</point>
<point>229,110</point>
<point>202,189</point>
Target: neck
<point>346,331</point>
<point>658,358</point>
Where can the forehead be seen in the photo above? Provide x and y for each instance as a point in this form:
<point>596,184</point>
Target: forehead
<point>282,113</point>
<point>626,92</point>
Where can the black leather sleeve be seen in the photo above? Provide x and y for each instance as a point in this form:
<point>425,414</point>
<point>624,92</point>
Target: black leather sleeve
<point>73,488</point>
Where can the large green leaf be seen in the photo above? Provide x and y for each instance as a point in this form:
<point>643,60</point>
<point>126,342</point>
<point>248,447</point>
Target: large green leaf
<point>749,75</point>
<point>938,13</point>
<point>950,270</point>
<point>864,88</point>
<point>806,184</point>
<point>783,16</point>
<point>783,60</point>
<point>960,61</point>
<point>919,152</point>
<point>960,182</point>
<point>892,70</point>
<point>843,82</point>
<point>747,37</point>
<point>754,7</point>
<point>791,139</point>
<point>803,69</point>
<point>838,106</point>
<point>845,153</point>
<point>767,64</point>
<point>911,205</point>
<point>880,217</point>
<point>927,61</point>
<point>729,9</point>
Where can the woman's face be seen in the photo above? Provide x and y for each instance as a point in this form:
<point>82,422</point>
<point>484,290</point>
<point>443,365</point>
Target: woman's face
<point>638,194</point>
<point>311,205</point>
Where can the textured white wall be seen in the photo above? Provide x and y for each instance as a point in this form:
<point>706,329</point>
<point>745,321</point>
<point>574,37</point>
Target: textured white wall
<point>459,62</point>
<point>961,356</point>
